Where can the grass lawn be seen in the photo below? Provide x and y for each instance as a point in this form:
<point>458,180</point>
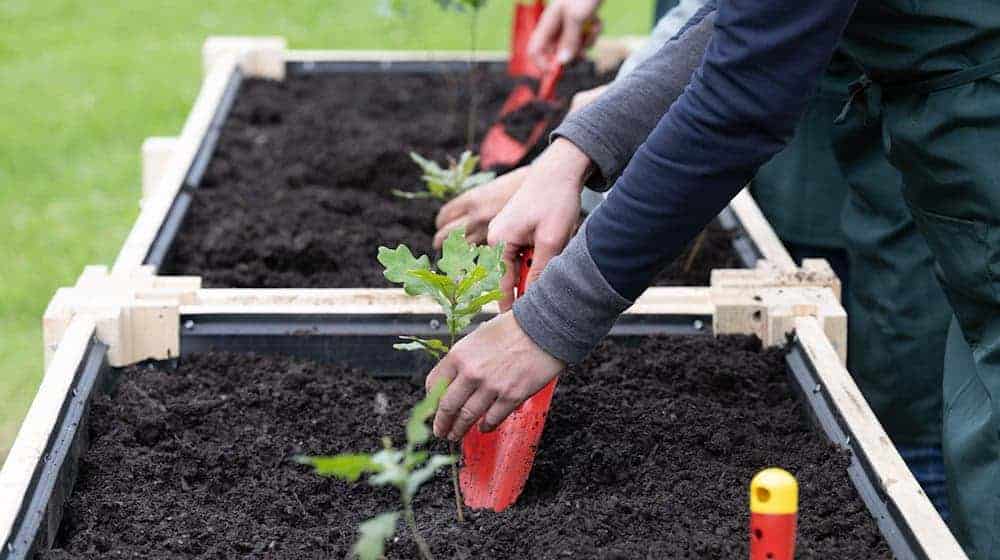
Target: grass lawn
<point>85,82</point>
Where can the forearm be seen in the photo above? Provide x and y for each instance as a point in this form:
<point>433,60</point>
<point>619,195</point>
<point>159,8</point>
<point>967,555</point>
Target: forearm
<point>763,63</point>
<point>611,129</point>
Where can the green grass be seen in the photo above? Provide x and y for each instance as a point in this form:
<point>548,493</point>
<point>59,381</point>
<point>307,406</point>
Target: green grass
<point>83,83</point>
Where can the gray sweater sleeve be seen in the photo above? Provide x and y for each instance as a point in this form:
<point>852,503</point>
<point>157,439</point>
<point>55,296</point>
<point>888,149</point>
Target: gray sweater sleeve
<point>570,281</point>
<point>668,26</point>
<point>611,129</point>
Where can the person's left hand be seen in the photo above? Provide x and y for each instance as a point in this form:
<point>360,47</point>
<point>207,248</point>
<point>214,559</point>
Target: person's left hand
<point>491,372</point>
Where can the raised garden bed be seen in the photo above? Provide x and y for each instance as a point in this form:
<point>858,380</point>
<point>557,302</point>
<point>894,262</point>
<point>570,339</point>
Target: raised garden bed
<point>621,485</point>
<point>299,188</point>
<point>195,460</point>
<point>283,182</point>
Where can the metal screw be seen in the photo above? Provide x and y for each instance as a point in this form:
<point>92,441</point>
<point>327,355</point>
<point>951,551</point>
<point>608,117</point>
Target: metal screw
<point>817,388</point>
<point>435,324</point>
<point>189,324</point>
<point>699,324</point>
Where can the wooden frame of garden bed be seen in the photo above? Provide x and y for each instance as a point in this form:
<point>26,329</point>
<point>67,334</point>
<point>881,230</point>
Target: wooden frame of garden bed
<point>111,319</point>
<point>174,166</point>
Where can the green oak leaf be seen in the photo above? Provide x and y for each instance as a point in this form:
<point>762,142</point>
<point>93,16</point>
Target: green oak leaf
<point>345,466</point>
<point>373,534</point>
<point>399,263</point>
<point>417,432</point>
<point>458,256</point>
<point>436,348</point>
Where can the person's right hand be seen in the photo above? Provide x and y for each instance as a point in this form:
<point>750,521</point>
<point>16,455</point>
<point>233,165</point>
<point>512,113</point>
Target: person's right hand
<point>543,213</point>
<point>474,209</point>
<point>566,28</point>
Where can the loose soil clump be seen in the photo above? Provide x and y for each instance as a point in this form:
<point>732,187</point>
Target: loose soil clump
<point>298,191</point>
<point>648,452</point>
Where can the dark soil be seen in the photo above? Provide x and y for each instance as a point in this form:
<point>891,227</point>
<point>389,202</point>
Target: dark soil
<point>298,192</point>
<point>521,123</point>
<point>648,453</point>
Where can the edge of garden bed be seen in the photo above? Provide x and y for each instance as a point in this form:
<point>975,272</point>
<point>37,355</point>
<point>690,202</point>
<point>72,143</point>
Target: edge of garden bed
<point>112,320</point>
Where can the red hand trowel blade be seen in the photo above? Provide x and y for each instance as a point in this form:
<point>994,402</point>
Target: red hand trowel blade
<point>496,464</point>
<point>498,148</point>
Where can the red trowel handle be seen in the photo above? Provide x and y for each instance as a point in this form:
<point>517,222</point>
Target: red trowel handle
<point>524,267</point>
<point>550,79</point>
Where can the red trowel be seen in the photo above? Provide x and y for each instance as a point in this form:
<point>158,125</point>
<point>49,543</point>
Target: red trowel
<point>496,464</point>
<point>499,148</point>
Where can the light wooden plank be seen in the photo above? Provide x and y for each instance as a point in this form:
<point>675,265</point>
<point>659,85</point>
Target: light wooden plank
<point>294,55</point>
<point>156,153</point>
<point>671,300</point>
<point>257,56</point>
<point>894,478</point>
<point>771,312</point>
<point>760,230</point>
<point>29,446</point>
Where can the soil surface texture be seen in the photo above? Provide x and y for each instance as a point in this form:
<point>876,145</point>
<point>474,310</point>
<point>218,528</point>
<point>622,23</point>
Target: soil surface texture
<point>647,453</point>
<point>298,191</point>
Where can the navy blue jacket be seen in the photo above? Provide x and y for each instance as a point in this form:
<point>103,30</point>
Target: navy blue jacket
<point>764,61</point>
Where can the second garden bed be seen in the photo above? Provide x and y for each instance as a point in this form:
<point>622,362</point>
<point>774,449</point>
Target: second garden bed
<point>298,189</point>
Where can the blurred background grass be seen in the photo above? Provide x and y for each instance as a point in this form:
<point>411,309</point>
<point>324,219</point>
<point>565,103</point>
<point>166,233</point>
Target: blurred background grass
<point>83,83</point>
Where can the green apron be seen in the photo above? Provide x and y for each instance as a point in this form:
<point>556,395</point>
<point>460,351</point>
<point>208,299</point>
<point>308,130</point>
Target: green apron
<point>936,93</point>
<point>898,316</point>
<point>896,337</point>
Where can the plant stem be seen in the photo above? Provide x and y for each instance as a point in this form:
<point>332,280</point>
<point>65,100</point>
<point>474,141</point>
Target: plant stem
<point>470,131</point>
<point>695,249</point>
<point>422,545</point>
<point>459,507</point>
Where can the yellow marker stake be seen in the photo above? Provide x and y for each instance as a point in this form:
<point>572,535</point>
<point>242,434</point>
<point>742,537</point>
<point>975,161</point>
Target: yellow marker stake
<point>774,507</point>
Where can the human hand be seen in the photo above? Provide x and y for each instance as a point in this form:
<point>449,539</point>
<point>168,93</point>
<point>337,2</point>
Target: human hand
<point>475,208</point>
<point>586,97</point>
<point>566,28</point>
<point>542,214</point>
<point>490,373</point>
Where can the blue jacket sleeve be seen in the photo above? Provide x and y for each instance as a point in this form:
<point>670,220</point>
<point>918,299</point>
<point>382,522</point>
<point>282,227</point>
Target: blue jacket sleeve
<point>740,109</point>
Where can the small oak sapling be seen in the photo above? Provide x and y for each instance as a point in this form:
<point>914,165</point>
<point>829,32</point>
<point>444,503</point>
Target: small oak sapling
<point>473,6</point>
<point>467,279</point>
<point>406,469</point>
<point>445,184</point>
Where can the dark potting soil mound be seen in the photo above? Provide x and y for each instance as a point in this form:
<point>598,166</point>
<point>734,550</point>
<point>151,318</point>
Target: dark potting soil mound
<point>298,191</point>
<point>648,453</point>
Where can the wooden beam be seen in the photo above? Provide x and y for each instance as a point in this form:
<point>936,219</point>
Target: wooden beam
<point>771,313</point>
<point>673,300</point>
<point>28,449</point>
<point>392,56</point>
<point>136,313</point>
<point>760,230</point>
<point>258,57</point>
<point>815,273</point>
<point>894,478</point>
<point>156,154</point>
